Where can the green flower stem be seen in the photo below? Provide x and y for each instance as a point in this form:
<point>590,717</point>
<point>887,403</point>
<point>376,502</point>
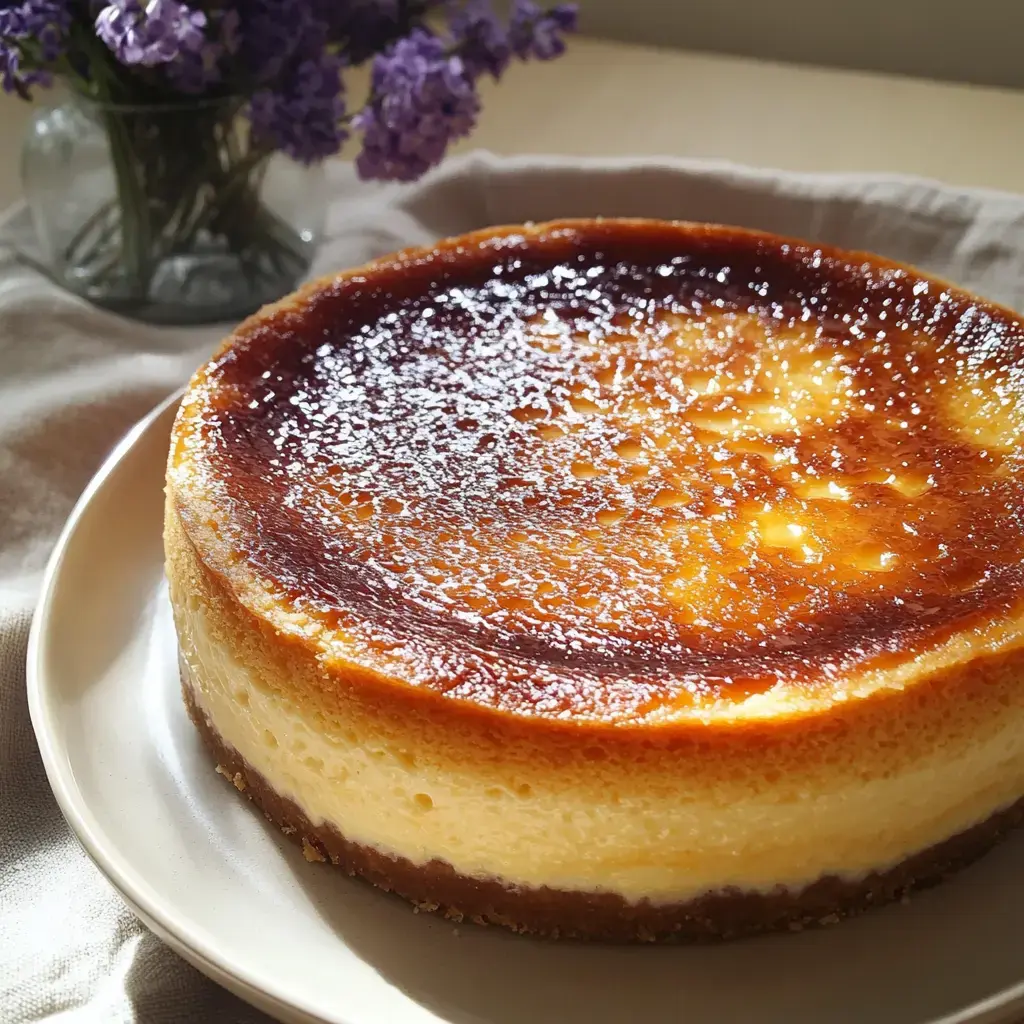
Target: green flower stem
<point>103,220</point>
<point>136,240</point>
<point>188,180</point>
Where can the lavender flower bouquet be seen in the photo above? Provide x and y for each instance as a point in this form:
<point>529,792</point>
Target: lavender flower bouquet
<point>158,188</point>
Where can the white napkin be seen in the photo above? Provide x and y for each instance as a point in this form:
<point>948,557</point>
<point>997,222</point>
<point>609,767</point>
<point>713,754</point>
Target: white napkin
<point>73,379</point>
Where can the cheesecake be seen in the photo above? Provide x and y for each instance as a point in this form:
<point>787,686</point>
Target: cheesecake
<point>613,579</point>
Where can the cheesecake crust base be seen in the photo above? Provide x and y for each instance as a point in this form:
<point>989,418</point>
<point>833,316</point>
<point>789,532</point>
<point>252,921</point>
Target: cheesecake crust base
<point>607,917</point>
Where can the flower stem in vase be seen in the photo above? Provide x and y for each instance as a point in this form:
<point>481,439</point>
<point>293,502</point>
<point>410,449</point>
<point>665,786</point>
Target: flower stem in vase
<point>135,235</point>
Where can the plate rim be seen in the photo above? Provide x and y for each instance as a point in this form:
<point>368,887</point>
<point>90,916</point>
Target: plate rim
<point>155,911</point>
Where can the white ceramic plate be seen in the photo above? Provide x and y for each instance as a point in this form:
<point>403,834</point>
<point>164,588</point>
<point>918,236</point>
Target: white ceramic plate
<point>230,894</point>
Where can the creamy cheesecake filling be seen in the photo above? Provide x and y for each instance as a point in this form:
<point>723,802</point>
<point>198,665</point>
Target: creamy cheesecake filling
<point>560,832</point>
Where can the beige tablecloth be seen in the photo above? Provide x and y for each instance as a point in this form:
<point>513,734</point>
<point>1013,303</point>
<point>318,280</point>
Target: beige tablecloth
<point>73,379</point>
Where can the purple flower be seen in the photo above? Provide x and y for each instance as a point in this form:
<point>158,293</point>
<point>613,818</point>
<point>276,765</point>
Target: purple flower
<point>43,23</point>
<point>195,71</point>
<point>16,79</point>
<point>364,27</point>
<point>288,56</point>
<point>421,99</point>
<point>272,33</point>
<point>298,106</point>
<point>33,18</point>
<point>303,114</point>
<point>160,32</point>
<point>481,39</point>
<point>534,32</point>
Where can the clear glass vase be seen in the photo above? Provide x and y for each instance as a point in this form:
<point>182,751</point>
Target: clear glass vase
<point>168,214</point>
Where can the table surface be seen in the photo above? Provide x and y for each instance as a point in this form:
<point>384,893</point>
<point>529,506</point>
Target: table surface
<point>606,98</point>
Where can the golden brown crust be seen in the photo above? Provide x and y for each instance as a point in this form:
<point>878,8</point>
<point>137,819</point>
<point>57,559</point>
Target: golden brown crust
<point>353,536</point>
<point>601,916</point>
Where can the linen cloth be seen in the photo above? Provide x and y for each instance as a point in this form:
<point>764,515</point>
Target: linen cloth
<point>73,379</point>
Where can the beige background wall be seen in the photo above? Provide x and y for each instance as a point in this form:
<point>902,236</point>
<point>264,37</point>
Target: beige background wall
<point>961,40</point>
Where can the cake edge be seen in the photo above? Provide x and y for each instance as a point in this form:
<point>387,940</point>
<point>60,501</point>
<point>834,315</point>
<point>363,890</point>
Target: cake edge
<point>594,916</point>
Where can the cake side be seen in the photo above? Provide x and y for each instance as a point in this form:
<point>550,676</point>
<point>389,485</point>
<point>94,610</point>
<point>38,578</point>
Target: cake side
<point>435,887</point>
<point>664,814</point>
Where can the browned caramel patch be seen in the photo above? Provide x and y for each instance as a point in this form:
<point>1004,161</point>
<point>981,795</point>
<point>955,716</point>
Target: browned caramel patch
<point>623,467</point>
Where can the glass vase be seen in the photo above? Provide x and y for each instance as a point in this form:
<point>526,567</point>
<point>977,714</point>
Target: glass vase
<point>169,214</point>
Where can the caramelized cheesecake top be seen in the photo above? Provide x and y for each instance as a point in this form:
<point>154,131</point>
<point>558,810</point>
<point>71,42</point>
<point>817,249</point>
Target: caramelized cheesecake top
<point>616,469</point>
